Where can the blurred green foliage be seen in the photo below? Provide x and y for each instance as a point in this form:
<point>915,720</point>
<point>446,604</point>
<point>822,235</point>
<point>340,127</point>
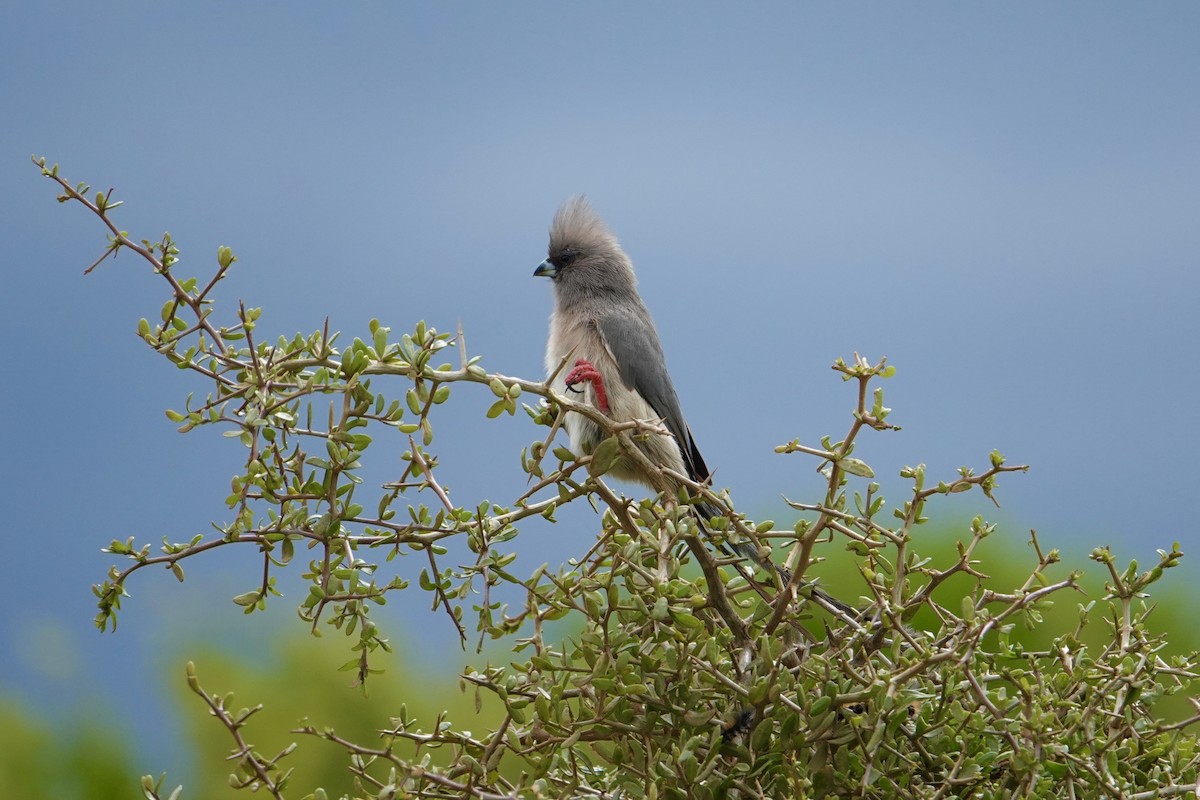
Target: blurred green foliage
<point>298,682</point>
<point>77,759</point>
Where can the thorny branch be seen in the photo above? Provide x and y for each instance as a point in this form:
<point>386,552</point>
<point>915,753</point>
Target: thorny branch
<point>697,684</point>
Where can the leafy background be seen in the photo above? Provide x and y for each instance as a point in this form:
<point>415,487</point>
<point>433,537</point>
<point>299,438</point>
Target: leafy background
<point>1000,199</point>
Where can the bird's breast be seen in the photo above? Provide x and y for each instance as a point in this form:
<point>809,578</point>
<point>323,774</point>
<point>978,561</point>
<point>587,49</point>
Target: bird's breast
<point>581,341</point>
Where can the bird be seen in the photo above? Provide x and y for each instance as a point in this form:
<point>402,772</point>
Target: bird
<point>601,321</point>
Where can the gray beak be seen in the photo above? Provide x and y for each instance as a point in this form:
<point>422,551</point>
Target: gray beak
<point>545,270</point>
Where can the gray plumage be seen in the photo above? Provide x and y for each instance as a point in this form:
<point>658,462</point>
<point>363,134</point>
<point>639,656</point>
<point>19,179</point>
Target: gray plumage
<point>600,317</point>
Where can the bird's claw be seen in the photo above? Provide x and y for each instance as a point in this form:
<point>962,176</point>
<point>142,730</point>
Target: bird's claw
<point>585,371</point>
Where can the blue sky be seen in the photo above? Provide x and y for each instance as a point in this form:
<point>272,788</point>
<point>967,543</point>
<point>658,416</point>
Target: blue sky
<point>1001,198</point>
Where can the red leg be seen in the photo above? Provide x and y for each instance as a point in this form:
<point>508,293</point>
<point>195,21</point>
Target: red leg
<point>585,372</point>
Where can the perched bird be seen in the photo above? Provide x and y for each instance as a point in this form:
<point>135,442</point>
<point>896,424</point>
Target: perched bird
<point>601,323</point>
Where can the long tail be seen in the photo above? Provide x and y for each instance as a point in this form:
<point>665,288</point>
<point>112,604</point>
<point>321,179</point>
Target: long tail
<point>748,551</point>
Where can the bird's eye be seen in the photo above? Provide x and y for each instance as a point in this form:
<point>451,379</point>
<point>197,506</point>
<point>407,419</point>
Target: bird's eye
<point>564,259</point>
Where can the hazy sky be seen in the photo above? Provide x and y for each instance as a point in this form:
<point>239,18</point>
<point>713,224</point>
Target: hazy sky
<point>1004,199</point>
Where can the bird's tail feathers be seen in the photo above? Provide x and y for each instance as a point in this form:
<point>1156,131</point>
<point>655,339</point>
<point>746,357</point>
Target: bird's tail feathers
<point>747,550</point>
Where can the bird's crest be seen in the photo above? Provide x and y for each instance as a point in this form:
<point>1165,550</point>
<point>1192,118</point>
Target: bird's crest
<point>578,226</point>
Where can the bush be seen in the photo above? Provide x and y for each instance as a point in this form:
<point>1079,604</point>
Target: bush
<point>689,676</point>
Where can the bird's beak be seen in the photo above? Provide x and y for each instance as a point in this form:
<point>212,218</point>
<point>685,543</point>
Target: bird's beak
<point>545,270</point>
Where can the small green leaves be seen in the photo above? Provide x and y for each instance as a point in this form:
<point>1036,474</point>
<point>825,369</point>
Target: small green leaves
<point>661,610</point>
<point>967,609</point>
<point>248,599</point>
<point>105,203</point>
<point>605,456</point>
<point>508,395</point>
<point>916,474</point>
<point>856,467</point>
<point>379,338</point>
<point>225,257</point>
<point>153,790</point>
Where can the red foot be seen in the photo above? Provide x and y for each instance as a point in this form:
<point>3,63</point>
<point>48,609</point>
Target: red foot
<point>586,372</point>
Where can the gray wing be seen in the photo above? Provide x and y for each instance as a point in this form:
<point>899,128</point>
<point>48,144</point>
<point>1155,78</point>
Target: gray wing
<point>631,339</point>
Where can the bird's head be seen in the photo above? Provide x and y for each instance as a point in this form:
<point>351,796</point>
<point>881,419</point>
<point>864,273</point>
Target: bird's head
<point>584,256</point>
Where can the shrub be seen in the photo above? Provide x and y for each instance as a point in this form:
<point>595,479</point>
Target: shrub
<point>689,676</point>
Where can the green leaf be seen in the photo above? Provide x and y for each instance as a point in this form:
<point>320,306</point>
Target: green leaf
<point>248,599</point>
<point>856,467</point>
<point>661,610</point>
<point>605,456</point>
<point>497,408</point>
